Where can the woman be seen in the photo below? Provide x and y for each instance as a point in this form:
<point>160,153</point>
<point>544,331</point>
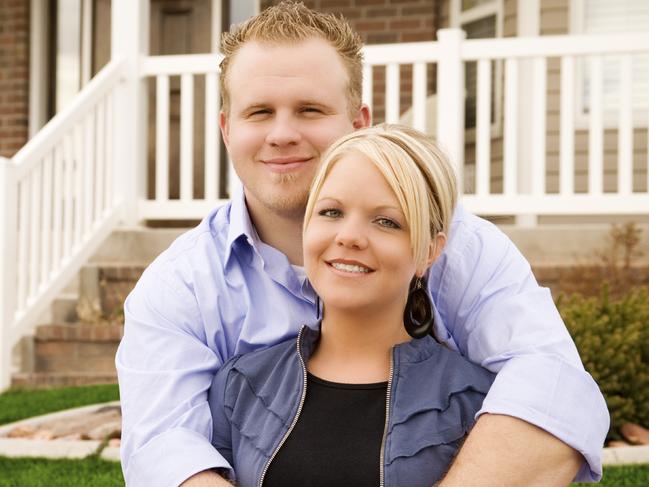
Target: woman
<point>368,396</point>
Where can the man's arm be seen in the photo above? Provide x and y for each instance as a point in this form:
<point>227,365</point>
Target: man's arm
<point>165,369</point>
<point>494,312</point>
<point>206,478</point>
<point>533,457</point>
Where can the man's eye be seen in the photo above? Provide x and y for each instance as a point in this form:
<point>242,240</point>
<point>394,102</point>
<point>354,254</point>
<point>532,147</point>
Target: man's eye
<point>263,111</point>
<point>387,222</point>
<point>330,213</point>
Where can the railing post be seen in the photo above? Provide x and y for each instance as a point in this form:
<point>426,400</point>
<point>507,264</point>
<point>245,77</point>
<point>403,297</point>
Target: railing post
<point>450,98</point>
<point>130,41</point>
<point>529,121</point>
<point>8,219</point>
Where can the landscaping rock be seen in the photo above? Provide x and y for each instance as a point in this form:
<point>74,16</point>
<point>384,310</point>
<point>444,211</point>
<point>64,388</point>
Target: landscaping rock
<point>24,431</point>
<point>96,425</point>
<point>635,434</point>
<point>112,429</point>
<point>617,444</point>
<point>43,434</point>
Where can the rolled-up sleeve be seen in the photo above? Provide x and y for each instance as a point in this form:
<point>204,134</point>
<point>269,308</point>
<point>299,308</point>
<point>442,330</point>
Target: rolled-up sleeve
<point>165,370</point>
<point>497,315</point>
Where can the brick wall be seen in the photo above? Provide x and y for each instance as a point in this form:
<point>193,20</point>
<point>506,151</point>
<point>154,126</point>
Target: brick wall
<point>388,21</point>
<point>14,75</point>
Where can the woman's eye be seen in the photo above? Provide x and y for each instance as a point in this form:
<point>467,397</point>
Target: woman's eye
<point>387,222</point>
<point>330,212</point>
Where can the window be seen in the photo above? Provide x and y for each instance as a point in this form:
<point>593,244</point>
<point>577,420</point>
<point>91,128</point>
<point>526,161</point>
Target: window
<point>606,17</point>
<point>480,19</point>
<point>71,56</point>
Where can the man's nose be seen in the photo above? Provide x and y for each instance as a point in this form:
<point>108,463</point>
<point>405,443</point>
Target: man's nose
<point>284,131</point>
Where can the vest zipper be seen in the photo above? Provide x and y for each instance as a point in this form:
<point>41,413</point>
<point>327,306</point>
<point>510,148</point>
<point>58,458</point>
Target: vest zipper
<point>297,414</point>
<point>387,420</point>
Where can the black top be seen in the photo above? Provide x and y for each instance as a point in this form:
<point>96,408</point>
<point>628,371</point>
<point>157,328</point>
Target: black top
<point>337,439</point>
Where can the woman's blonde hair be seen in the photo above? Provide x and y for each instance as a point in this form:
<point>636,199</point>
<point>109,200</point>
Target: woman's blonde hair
<point>415,168</point>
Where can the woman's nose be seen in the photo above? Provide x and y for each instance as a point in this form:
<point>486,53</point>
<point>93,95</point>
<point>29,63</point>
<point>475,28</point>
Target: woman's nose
<point>352,235</point>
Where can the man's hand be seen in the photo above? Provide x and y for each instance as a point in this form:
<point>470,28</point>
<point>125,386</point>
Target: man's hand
<point>506,451</point>
<point>206,478</point>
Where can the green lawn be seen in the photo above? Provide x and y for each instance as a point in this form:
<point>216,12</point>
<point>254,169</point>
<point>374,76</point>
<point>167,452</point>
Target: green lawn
<point>625,476</point>
<point>19,404</point>
<point>38,472</point>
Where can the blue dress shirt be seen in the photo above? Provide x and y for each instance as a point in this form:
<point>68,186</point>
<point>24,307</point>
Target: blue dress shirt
<point>219,291</point>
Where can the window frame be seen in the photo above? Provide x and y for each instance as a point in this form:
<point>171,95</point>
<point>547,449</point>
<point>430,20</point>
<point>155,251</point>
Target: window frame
<point>610,118</point>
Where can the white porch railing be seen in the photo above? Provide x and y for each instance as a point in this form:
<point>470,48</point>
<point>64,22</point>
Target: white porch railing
<point>187,206</point>
<point>59,200</point>
<point>520,185</point>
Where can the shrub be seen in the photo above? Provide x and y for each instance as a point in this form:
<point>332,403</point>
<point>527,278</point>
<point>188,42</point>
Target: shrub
<point>612,336</point>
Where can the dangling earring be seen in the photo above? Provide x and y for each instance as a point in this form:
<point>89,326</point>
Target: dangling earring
<point>318,314</point>
<point>418,317</point>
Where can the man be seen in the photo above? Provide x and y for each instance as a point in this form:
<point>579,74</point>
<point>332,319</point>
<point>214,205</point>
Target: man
<point>291,82</point>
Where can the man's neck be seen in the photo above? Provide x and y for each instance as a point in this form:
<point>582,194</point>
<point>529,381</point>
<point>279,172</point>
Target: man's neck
<point>283,232</point>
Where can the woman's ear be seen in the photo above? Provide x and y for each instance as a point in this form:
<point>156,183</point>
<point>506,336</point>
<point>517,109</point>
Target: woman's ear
<point>435,249</point>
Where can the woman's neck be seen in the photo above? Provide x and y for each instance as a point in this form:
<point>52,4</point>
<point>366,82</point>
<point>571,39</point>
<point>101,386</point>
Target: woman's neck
<point>356,347</point>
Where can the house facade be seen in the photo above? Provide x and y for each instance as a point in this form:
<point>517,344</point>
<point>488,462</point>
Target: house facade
<point>109,108</point>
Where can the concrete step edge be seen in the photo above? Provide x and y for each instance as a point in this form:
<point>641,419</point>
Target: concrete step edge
<point>79,332</point>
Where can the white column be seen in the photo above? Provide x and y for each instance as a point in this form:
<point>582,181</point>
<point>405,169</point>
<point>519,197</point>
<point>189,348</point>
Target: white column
<point>528,25</point>
<point>130,41</point>
<point>37,66</point>
<point>450,99</point>
<point>8,210</point>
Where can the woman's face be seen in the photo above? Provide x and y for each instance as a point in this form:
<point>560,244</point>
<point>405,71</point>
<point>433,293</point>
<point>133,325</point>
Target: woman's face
<point>357,251</point>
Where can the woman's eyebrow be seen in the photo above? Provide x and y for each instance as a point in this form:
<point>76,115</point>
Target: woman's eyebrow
<point>327,199</point>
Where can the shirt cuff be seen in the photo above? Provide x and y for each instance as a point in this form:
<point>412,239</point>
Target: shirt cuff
<point>171,458</point>
<point>561,399</point>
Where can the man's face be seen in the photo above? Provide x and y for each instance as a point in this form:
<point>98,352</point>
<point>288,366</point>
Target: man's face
<point>288,103</point>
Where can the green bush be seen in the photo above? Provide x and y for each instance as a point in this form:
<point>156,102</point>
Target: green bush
<point>612,337</point>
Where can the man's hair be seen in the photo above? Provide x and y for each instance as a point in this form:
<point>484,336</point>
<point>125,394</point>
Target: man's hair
<point>290,23</point>
<point>418,172</point>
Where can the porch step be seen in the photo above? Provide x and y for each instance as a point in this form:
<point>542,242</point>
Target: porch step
<point>76,348</point>
<point>103,289</point>
<point>64,308</point>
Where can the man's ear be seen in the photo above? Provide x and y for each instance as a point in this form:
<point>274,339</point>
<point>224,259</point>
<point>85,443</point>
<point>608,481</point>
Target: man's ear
<point>225,129</point>
<point>363,117</point>
<point>434,251</point>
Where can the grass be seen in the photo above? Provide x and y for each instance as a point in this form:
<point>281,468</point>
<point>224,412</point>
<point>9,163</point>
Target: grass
<point>39,472</point>
<point>17,404</point>
<point>624,476</point>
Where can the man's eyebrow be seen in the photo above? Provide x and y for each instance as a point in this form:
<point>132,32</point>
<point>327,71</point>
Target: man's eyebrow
<point>314,103</point>
<point>254,106</point>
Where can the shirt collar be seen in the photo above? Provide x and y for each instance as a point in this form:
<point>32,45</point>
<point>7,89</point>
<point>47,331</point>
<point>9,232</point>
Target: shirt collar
<point>240,225</point>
